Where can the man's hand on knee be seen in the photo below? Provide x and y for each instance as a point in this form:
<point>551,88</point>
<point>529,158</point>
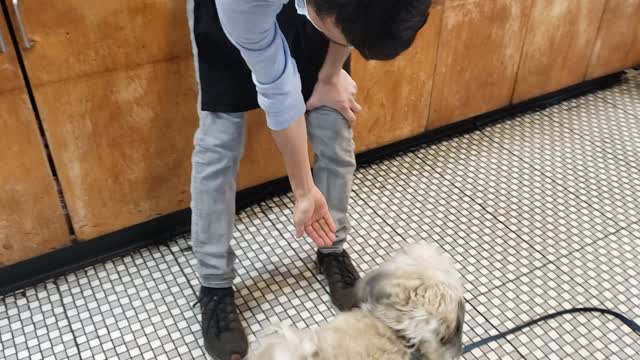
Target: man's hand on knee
<point>337,91</point>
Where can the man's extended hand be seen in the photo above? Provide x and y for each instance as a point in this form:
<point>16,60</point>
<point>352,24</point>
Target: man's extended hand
<point>337,91</point>
<point>311,216</point>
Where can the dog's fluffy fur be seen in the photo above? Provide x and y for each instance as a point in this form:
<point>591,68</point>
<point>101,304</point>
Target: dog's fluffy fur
<point>412,307</point>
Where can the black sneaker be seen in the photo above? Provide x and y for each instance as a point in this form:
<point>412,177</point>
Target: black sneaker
<point>342,277</point>
<point>224,337</point>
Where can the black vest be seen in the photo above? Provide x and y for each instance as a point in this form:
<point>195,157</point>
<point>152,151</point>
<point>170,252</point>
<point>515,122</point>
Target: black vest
<point>225,78</point>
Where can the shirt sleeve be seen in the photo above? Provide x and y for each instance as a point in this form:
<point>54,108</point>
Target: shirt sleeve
<point>252,27</point>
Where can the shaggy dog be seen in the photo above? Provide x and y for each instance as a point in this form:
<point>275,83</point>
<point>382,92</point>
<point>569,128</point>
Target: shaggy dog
<point>412,307</point>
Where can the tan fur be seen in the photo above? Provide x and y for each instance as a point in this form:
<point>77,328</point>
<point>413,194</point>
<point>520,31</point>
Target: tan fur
<point>416,297</point>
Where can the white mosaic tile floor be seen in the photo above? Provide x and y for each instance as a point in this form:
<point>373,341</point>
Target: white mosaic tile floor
<point>541,213</point>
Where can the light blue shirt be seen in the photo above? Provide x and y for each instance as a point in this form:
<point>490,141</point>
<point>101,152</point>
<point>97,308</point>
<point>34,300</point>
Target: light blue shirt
<point>252,27</point>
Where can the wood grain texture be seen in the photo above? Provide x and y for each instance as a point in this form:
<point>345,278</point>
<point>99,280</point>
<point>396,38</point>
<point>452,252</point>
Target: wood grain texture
<point>617,46</point>
<point>634,55</point>
<point>558,46</point>
<point>31,218</point>
<point>115,88</point>
<point>395,95</point>
<point>262,161</point>
<point>10,77</point>
<point>74,38</point>
<point>122,143</point>
<point>478,57</point>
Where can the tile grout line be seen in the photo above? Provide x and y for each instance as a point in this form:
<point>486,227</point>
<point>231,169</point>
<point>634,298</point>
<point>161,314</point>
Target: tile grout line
<point>197,277</point>
<point>543,265</point>
<point>466,196</point>
<point>313,271</point>
<point>186,278</point>
<point>544,174</point>
<point>66,315</point>
<point>597,94</point>
<point>260,207</point>
<point>492,216</point>
<point>93,293</point>
<point>599,146</point>
<point>261,278</point>
<point>549,262</point>
<point>158,247</point>
<point>470,302</point>
<point>180,266</point>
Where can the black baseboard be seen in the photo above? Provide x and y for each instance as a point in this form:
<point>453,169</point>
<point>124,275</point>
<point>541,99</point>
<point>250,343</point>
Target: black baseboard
<point>164,228</point>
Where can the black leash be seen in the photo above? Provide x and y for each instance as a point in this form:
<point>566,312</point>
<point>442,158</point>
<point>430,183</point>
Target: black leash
<point>625,320</point>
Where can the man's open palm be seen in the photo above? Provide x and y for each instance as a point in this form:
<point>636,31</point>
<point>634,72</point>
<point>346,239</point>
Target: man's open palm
<point>311,216</point>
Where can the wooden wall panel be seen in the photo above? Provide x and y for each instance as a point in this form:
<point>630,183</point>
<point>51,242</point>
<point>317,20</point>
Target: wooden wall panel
<point>10,78</point>
<point>617,45</point>
<point>31,218</point>
<point>115,88</point>
<point>122,143</point>
<point>261,161</point>
<point>395,95</point>
<point>79,37</point>
<point>558,46</point>
<point>634,56</point>
<point>478,56</point>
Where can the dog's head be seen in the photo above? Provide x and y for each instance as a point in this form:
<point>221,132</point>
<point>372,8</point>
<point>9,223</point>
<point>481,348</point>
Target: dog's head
<point>419,294</point>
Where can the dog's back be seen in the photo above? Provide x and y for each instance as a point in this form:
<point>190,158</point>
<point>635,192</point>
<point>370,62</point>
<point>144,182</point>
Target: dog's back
<point>350,336</point>
<point>359,336</point>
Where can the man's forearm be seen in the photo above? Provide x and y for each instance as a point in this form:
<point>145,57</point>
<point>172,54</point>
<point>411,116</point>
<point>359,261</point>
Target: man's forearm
<point>334,61</point>
<point>292,143</point>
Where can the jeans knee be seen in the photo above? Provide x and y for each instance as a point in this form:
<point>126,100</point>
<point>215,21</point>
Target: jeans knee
<point>332,138</point>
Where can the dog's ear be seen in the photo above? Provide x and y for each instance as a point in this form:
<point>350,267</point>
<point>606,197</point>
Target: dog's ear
<point>368,288</point>
<point>382,288</point>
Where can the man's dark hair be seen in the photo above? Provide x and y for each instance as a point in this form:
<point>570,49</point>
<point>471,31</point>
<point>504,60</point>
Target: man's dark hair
<point>379,29</point>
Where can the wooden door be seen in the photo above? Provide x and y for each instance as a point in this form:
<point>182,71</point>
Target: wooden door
<point>31,218</point>
<point>113,81</point>
<point>478,56</point>
<point>558,46</point>
<point>634,55</point>
<point>618,43</point>
<point>396,95</point>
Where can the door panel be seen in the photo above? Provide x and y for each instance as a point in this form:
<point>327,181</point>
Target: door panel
<point>115,89</point>
<point>634,56</point>
<point>478,57</point>
<point>261,161</point>
<point>31,218</point>
<point>122,143</point>
<point>395,95</point>
<point>617,45</point>
<point>559,42</point>
<point>74,38</point>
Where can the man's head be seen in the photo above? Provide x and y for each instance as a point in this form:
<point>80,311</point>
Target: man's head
<point>378,29</point>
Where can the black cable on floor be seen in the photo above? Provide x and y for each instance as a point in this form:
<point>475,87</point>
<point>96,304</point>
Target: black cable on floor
<point>625,320</point>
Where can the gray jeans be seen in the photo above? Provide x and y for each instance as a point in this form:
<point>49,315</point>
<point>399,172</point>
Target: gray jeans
<point>218,147</point>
